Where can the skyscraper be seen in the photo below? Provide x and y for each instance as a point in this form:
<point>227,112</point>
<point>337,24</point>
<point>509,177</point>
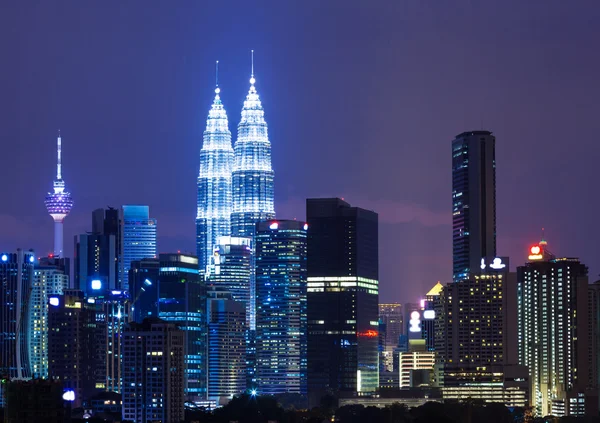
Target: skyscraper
<point>231,271</point>
<point>137,237</point>
<point>51,277</point>
<point>226,346</point>
<point>473,201</point>
<point>553,328</point>
<point>252,178</point>
<point>16,277</point>
<point>153,380</point>
<point>174,291</point>
<point>281,307</point>
<point>214,183</point>
<point>343,291</point>
<point>59,203</point>
<point>95,262</point>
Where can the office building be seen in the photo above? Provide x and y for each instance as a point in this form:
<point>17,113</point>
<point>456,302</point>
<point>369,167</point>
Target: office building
<point>473,201</point>
<point>77,347</point>
<point>594,335</point>
<point>553,327</point>
<point>281,307</point>
<point>429,305</point>
<point>391,316</point>
<point>416,368</point>
<point>505,384</point>
<point>51,277</point>
<point>343,289</point>
<point>138,239</point>
<point>474,324</point>
<point>174,291</point>
<point>59,203</point>
<point>226,346</point>
<point>252,177</point>
<point>153,378</point>
<point>95,262</point>
<point>231,271</point>
<point>16,277</point>
<point>214,183</point>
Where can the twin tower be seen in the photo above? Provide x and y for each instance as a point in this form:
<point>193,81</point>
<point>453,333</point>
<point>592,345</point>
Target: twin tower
<point>235,182</point>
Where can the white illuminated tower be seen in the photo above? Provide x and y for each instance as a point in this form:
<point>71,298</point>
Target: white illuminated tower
<point>58,203</point>
<point>252,173</point>
<point>214,183</point>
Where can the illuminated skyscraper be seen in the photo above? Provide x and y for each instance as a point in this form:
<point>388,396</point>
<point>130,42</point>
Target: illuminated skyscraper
<point>137,237</point>
<point>553,332</point>
<point>252,178</point>
<point>16,276</point>
<point>214,183</point>
<point>59,203</point>
<point>281,307</point>
<point>473,201</point>
<point>343,294</point>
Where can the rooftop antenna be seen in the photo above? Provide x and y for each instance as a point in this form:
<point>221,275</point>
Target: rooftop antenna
<point>252,80</point>
<point>58,161</point>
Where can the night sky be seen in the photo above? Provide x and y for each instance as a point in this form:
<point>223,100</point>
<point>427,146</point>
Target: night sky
<point>362,98</point>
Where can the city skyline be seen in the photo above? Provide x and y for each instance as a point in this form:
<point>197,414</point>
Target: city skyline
<point>371,157</point>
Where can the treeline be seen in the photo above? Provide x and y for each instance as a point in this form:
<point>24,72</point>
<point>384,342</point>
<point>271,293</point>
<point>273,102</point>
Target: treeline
<point>263,409</point>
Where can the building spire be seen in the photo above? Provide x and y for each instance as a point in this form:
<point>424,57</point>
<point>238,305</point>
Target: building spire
<point>58,162</point>
<point>543,242</point>
<point>217,89</point>
<point>252,80</point>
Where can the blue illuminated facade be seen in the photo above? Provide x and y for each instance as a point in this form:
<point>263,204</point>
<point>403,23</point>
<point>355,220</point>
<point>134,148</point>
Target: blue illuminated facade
<point>171,289</point>
<point>281,323</point>
<point>253,177</point>
<point>473,201</point>
<point>137,237</point>
<point>214,183</point>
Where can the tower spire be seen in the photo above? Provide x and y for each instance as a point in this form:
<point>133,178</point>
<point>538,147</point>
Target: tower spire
<point>252,80</point>
<point>58,162</point>
<point>217,90</point>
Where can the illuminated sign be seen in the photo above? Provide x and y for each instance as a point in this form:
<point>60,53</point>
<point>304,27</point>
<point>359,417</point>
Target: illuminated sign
<point>306,226</point>
<point>96,284</point>
<point>535,253</point>
<point>429,314</point>
<point>4,257</point>
<point>415,322</point>
<point>496,264</point>
<point>274,225</point>
<point>369,333</point>
<point>54,301</point>
<point>69,395</point>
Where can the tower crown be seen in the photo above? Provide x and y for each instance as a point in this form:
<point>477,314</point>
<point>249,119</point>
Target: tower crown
<point>59,203</point>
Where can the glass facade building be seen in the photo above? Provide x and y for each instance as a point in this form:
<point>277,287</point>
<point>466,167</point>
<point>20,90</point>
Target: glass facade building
<point>214,184</point>
<point>473,201</point>
<point>137,237</point>
<point>175,292</point>
<point>281,307</point>
<point>343,296</point>
<point>16,278</point>
<point>231,271</point>
<point>253,177</point>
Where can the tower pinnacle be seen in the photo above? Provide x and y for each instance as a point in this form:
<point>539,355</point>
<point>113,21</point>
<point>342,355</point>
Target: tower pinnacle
<point>58,203</point>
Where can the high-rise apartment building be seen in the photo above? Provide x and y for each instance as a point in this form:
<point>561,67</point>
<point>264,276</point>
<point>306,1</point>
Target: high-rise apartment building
<point>154,368</point>
<point>252,177</point>
<point>231,271</point>
<point>553,328</point>
<point>172,290</point>
<point>95,262</point>
<point>594,335</point>
<point>343,290</point>
<point>137,237</point>
<point>474,326</point>
<point>214,183</point>
<point>281,307</point>
<point>16,278</point>
<point>473,201</point>
<point>51,277</point>
<point>59,203</point>
<point>226,346</point>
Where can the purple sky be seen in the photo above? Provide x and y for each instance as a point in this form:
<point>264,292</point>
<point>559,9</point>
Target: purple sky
<point>362,100</point>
